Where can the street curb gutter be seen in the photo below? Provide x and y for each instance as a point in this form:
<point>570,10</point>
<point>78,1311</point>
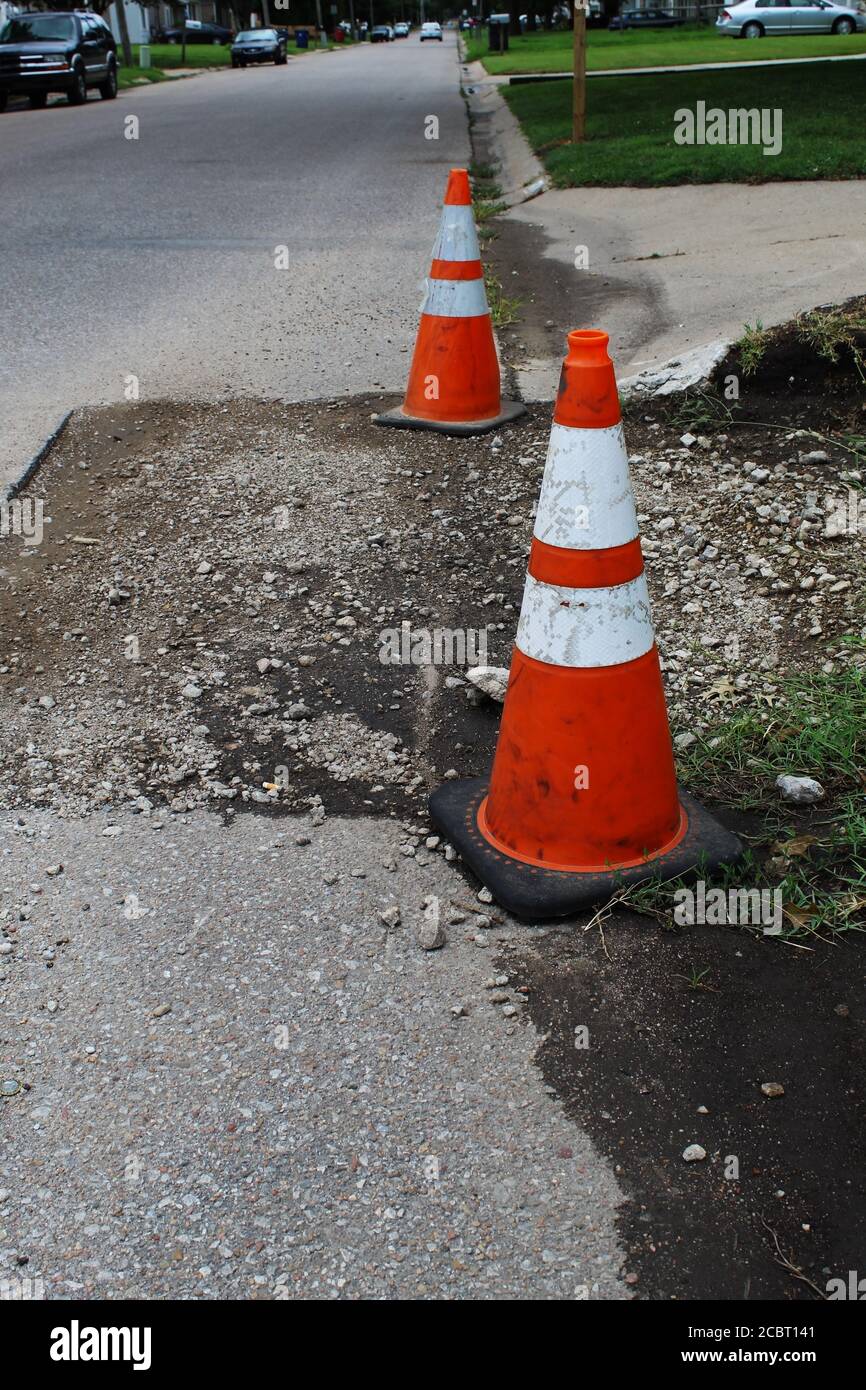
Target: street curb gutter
<point>29,471</point>
<point>498,139</point>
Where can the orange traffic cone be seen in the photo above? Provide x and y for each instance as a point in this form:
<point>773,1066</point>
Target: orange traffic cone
<point>583,795</point>
<point>454,377</point>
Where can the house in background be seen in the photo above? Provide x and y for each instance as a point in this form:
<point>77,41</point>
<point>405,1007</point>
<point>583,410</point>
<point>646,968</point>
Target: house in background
<point>136,21</point>
<point>147,18</point>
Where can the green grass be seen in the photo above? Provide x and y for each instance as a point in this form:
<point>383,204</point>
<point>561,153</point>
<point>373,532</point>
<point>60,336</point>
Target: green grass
<point>630,128</point>
<point>132,77</point>
<point>691,44</point>
<point>752,346</point>
<point>816,856</point>
<point>198,55</point>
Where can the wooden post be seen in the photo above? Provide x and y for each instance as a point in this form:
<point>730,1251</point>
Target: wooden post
<point>578,130</point>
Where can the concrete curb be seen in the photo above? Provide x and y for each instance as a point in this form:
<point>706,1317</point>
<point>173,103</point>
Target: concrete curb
<point>31,469</point>
<point>688,369</point>
<point>497,138</point>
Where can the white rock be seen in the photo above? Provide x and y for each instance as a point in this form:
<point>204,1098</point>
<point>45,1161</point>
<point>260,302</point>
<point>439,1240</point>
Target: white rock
<point>491,680</point>
<point>802,791</point>
<point>191,691</point>
<point>694,1153</point>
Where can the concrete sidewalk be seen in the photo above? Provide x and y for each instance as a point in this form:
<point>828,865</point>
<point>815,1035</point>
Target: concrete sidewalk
<point>515,79</point>
<point>671,269</point>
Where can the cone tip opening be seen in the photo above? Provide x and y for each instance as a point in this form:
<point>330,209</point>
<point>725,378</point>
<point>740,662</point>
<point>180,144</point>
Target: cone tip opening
<point>588,346</point>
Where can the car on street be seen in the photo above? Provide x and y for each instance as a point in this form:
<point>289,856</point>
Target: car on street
<point>381,34</point>
<point>258,46</point>
<point>645,19</point>
<point>401,31</point>
<point>753,19</point>
<point>196,32</point>
<point>68,51</point>
<point>431,30</point>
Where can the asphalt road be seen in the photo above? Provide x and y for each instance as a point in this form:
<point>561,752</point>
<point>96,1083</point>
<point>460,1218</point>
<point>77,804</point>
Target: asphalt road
<point>155,257</point>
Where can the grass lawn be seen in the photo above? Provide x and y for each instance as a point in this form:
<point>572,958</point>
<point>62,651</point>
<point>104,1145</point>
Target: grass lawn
<point>691,44</point>
<point>133,77</point>
<point>630,128</point>
<point>198,55</point>
<point>821,875</point>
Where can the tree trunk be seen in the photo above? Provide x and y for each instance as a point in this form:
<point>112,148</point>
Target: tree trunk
<point>120,11</point>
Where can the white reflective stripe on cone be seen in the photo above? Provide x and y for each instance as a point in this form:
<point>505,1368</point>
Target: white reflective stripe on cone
<point>585,627</point>
<point>586,500</point>
<point>457,239</point>
<point>455,299</point>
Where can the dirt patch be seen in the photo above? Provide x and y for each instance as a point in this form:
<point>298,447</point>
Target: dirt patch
<point>552,300</point>
<point>810,372</point>
<point>780,1178</point>
<point>184,546</point>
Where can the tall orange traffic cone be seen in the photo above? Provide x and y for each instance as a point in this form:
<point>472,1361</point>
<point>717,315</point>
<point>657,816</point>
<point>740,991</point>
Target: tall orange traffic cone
<point>454,378</point>
<point>583,795</point>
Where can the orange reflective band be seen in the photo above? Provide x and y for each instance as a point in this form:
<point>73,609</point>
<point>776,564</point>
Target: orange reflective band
<point>455,270</point>
<point>585,569</point>
<point>457,191</point>
<point>578,868</point>
<point>583,776</point>
<point>455,372</point>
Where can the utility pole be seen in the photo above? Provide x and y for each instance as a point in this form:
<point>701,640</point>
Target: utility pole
<point>352,20</point>
<point>578,124</point>
<point>323,38</point>
<point>266,15</point>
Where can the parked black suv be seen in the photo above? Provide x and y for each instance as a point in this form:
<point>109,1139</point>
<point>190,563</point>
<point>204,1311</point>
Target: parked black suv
<point>57,52</point>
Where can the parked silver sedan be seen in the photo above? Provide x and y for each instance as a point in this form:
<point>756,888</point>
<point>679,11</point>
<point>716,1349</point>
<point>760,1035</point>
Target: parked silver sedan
<point>753,19</point>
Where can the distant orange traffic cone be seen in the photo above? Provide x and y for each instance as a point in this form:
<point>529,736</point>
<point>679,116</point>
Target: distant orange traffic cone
<point>583,795</point>
<point>454,378</point>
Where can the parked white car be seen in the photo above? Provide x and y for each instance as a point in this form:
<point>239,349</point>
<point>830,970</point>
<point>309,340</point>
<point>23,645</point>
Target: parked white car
<point>754,19</point>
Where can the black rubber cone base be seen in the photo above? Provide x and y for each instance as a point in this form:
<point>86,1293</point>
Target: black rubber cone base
<point>535,894</point>
<point>508,411</point>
